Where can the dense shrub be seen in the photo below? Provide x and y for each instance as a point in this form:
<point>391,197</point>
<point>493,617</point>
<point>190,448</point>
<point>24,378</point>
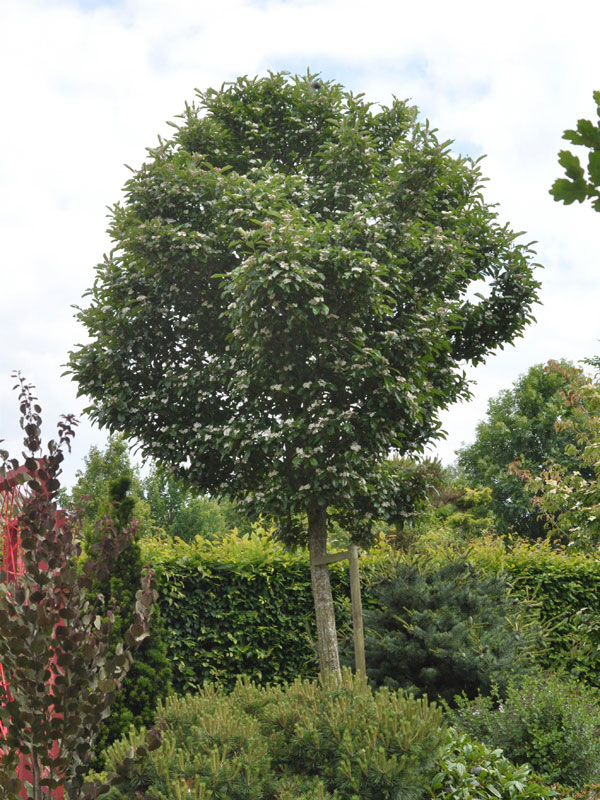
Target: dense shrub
<point>149,677</point>
<point>548,721</point>
<point>470,769</point>
<point>447,631</point>
<point>299,741</point>
<point>243,606</point>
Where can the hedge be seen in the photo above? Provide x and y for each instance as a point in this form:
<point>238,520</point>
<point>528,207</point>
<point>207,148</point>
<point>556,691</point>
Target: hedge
<point>243,606</point>
<point>566,586</point>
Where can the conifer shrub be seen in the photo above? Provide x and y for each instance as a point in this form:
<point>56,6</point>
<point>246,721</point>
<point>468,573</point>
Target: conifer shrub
<point>149,676</point>
<point>304,740</point>
<point>550,721</point>
<point>448,631</point>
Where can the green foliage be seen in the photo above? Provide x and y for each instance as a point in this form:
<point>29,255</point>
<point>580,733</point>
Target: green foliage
<point>567,489</point>
<point>446,631</point>
<point>240,606</point>
<point>54,642</point>
<point>455,512</point>
<point>182,513</point>
<point>577,185</point>
<point>304,740</point>
<point>149,676</point>
<point>90,496</point>
<point>332,247</point>
<point>550,722</point>
<point>566,587</point>
<point>521,426</point>
<point>470,769</point>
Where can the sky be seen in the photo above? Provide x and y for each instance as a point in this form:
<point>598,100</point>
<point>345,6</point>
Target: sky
<point>88,85</point>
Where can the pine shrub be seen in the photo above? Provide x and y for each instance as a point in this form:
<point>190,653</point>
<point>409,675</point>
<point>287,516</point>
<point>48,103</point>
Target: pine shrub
<point>448,631</point>
<point>301,741</point>
<point>549,721</point>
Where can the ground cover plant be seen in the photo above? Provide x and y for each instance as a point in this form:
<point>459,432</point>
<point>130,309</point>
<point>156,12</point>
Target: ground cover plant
<point>470,769</point>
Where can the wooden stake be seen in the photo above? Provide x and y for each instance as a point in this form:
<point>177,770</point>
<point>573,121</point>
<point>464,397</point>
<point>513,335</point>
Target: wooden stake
<point>357,617</point>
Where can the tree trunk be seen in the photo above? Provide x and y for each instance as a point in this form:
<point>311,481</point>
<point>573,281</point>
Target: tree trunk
<point>329,660</point>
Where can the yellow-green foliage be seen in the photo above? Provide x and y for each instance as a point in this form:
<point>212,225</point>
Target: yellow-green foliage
<point>563,583</point>
<point>309,740</point>
<point>243,606</point>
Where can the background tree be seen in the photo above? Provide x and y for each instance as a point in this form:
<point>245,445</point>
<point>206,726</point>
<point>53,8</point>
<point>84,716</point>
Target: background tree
<point>288,299</point>
<point>521,425</point>
<point>566,491</point>
<point>90,495</point>
<point>182,513</point>
<point>577,185</point>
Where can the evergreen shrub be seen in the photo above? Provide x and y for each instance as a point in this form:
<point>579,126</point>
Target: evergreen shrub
<point>549,721</point>
<point>149,677</point>
<point>447,631</point>
<point>470,769</point>
<point>304,740</point>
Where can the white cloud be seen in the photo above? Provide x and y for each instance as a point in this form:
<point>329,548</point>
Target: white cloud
<point>88,86</point>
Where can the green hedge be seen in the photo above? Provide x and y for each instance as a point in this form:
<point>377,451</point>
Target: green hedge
<point>566,586</point>
<point>243,606</point>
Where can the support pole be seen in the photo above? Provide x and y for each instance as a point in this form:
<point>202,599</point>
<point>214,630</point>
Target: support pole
<point>357,617</point>
<point>357,620</point>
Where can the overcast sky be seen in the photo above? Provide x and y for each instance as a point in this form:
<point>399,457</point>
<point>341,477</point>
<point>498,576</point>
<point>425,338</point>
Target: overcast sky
<point>87,85</point>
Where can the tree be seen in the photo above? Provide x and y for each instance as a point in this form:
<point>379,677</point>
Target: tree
<point>288,298</point>
<point>578,186</point>
<point>90,495</point>
<point>180,512</point>
<point>521,425</point>
<point>566,491</point>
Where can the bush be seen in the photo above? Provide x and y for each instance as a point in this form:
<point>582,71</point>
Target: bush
<point>299,741</point>
<point>149,677</point>
<point>470,769</point>
<point>550,722</point>
<point>448,631</point>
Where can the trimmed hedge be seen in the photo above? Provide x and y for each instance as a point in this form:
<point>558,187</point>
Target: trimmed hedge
<point>566,585</point>
<point>244,606</point>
